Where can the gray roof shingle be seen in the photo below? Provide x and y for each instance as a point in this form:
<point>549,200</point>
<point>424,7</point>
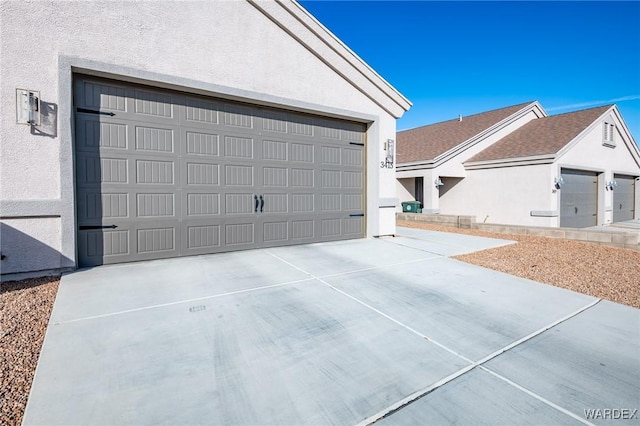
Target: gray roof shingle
<point>542,136</point>
<point>428,142</point>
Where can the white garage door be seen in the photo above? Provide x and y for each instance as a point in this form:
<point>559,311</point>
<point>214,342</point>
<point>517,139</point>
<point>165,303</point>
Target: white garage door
<point>624,198</point>
<point>166,174</point>
<point>579,199</point>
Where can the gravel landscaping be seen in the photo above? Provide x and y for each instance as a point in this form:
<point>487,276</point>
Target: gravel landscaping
<point>605,272</point>
<point>25,307</point>
<point>601,271</point>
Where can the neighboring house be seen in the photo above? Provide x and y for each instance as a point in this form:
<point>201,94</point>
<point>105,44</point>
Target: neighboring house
<point>168,129</point>
<point>519,166</point>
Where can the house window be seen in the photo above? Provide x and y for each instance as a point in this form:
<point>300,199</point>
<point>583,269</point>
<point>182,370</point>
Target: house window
<point>607,136</point>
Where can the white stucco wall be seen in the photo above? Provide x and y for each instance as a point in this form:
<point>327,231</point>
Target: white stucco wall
<point>505,195</point>
<point>230,45</point>
<point>589,153</point>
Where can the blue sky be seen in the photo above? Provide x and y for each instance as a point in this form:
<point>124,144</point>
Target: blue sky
<point>451,58</point>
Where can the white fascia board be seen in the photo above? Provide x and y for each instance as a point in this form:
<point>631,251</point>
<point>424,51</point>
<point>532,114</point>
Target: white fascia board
<point>511,162</point>
<point>315,37</point>
<point>455,151</point>
<point>628,137</point>
<point>415,165</point>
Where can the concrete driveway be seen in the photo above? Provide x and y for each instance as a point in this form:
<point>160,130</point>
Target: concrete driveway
<point>388,330</point>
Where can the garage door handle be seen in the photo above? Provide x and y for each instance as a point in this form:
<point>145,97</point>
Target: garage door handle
<point>576,208</point>
<point>255,197</point>
<point>261,204</point>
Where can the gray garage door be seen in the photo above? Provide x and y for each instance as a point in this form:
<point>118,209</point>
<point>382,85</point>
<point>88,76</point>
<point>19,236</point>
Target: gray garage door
<point>579,199</point>
<point>624,198</point>
<point>166,174</point>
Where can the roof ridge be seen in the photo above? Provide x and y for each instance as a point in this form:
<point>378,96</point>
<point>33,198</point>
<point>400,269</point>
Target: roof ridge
<point>471,115</point>
<point>607,106</point>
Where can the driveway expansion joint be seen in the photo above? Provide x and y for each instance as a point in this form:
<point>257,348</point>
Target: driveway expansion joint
<point>179,302</point>
<point>479,364</point>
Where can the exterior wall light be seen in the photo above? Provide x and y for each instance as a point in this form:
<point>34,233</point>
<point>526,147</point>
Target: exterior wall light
<point>438,183</point>
<point>28,107</point>
<point>558,182</point>
<point>610,185</point>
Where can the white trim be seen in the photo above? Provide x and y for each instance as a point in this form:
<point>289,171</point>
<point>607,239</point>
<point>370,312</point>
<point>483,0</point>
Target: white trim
<point>511,162</point>
<point>619,123</point>
<point>317,39</point>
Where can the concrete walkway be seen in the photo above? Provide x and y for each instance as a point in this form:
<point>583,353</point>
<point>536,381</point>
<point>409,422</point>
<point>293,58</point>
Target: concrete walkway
<point>387,330</point>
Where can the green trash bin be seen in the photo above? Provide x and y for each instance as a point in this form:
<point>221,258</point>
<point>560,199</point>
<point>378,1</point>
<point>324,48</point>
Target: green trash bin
<point>411,207</point>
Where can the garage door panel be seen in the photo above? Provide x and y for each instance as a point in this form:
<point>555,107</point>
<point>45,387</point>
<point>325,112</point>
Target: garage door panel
<point>578,199</point>
<point>239,203</point>
<point>92,169</point>
<point>96,205</point>
<point>275,203</point>
<point>201,144</point>
<point>302,202</point>
<point>198,173</point>
<point>239,175</point>
<point>204,203</point>
<point>200,112</point>
<point>352,226</point>
<point>275,150</point>
<point>239,234</point>
<point>163,174</point>
<point>156,204</point>
<point>103,96</point>
<point>302,153</point>
<point>154,140</point>
<point>303,230</point>
<point>154,104</point>
<point>94,132</point>
<point>624,198</point>
<point>97,247</point>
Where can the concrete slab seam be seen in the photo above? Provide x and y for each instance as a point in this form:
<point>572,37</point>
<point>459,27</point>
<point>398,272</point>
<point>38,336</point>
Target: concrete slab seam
<point>536,396</point>
<point>178,302</point>
<point>536,333</point>
<point>414,397</point>
<point>417,395</point>
<point>355,299</point>
<point>473,364</point>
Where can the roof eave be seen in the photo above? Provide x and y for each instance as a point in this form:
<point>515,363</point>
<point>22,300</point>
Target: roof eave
<point>415,165</point>
<point>317,39</point>
<point>511,162</point>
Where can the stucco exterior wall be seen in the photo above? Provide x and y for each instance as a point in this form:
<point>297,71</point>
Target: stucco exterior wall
<point>503,195</point>
<point>230,48</point>
<point>589,153</point>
